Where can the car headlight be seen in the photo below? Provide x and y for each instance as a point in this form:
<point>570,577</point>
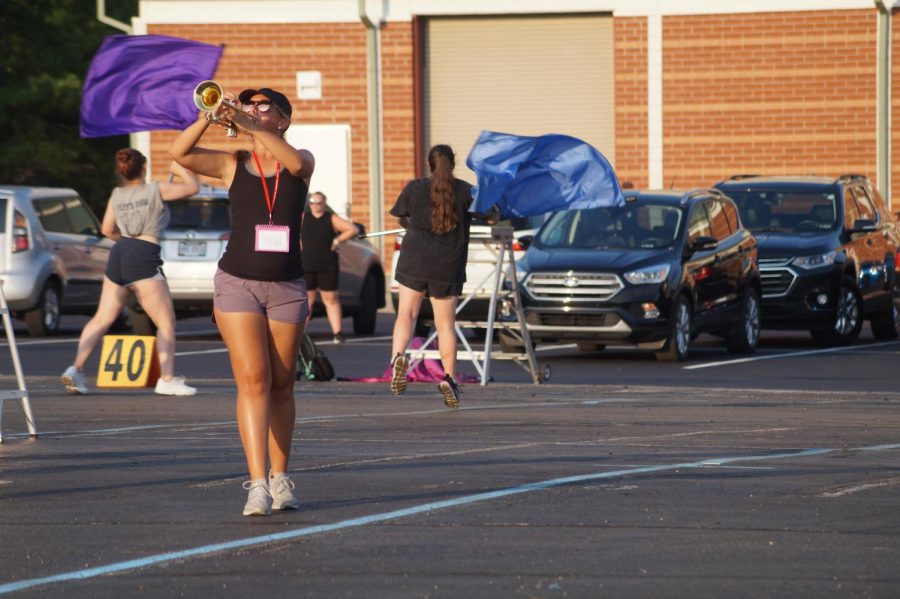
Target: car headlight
<point>816,261</point>
<point>650,274</point>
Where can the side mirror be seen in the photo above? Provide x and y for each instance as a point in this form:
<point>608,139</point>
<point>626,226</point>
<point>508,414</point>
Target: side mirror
<point>863,225</point>
<point>703,243</point>
<point>523,242</point>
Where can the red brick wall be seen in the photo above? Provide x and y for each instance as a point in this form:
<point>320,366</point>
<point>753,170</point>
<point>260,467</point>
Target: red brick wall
<point>630,42</point>
<point>769,93</point>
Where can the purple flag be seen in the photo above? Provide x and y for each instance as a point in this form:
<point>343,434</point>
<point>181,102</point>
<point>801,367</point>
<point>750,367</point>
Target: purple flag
<point>144,83</point>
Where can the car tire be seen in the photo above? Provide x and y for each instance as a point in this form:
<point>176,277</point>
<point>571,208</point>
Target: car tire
<point>141,324</point>
<point>365,318</point>
<point>884,326</point>
<point>676,347</point>
<point>848,319</point>
<point>44,319</point>
<point>745,336</point>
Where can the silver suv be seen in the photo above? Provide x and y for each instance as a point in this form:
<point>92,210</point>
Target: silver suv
<point>52,255</point>
<point>196,238</point>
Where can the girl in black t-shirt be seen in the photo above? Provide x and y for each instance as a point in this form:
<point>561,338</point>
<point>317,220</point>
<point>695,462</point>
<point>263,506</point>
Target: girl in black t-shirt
<point>321,234</point>
<point>260,302</point>
<point>432,263</point>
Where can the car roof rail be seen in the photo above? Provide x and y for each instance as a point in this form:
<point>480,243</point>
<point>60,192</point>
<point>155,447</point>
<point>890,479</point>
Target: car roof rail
<point>851,176</point>
<point>700,192</point>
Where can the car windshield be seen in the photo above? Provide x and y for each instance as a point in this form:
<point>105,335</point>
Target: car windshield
<point>786,211</point>
<point>198,213</point>
<point>643,226</point>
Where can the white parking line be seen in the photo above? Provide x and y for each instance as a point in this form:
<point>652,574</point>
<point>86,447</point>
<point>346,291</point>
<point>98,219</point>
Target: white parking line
<point>863,487</point>
<point>323,418</point>
<point>812,352</point>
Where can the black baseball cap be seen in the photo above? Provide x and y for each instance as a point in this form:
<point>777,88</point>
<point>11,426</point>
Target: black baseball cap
<point>278,98</point>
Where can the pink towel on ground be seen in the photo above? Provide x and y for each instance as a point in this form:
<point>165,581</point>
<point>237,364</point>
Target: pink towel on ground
<point>427,370</point>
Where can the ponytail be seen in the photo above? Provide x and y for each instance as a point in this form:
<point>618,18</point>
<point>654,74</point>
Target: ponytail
<point>443,214</point>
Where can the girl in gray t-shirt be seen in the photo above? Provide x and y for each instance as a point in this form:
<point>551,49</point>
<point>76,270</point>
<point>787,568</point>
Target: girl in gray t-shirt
<point>135,217</point>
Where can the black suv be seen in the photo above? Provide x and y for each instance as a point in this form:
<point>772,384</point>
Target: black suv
<point>827,253</point>
<point>655,272</point>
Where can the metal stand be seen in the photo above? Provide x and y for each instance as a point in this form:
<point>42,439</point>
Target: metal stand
<point>501,247</point>
<point>22,393</point>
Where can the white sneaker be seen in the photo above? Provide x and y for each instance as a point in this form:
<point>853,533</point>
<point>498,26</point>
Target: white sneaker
<point>280,486</point>
<point>259,501</point>
<point>176,386</point>
<point>74,381</point>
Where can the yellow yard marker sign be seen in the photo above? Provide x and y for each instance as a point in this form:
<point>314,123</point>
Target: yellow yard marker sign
<point>128,361</point>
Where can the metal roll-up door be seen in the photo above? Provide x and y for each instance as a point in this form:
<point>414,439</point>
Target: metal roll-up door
<point>527,75</point>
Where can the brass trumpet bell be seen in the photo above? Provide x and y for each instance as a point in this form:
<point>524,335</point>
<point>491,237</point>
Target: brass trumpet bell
<point>208,97</point>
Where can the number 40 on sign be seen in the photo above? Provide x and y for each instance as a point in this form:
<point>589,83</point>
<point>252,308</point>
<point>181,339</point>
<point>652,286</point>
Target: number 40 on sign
<point>128,361</point>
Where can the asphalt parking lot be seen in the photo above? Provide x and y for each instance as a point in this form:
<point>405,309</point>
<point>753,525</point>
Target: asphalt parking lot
<point>776,476</point>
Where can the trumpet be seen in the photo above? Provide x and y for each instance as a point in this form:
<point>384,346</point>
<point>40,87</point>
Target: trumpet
<point>208,96</point>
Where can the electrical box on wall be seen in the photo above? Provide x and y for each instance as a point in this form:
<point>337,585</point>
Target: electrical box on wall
<point>309,85</point>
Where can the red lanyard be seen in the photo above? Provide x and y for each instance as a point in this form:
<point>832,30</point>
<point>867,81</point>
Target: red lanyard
<point>270,202</point>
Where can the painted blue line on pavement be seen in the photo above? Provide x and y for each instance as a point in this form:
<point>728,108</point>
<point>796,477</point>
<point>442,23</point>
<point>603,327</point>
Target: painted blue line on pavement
<point>403,513</point>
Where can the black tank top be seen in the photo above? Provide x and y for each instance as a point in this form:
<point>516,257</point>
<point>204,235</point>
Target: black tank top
<point>248,209</point>
<point>317,235</point>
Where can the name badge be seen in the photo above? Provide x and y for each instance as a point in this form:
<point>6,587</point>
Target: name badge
<point>273,238</point>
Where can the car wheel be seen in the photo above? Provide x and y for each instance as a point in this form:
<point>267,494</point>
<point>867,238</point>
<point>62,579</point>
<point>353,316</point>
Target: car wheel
<point>848,318</point>
<point>44,320</point>
<point>676,346</point>
<point>364,319</point>
<point>141,324</point>
<point>884,326</point>
<point>745,336</point>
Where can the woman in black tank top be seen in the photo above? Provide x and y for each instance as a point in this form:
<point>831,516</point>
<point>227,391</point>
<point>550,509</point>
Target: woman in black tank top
<point>260,299</point>
<point>321,235</point>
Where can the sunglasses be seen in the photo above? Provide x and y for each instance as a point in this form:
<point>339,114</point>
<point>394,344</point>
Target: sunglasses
<point>261,105</point>
<point>315,202</point>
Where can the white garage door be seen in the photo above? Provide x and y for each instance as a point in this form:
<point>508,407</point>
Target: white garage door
<point>527,75</point>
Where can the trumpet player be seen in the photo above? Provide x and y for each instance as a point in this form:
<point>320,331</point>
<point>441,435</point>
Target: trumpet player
<point>260,303</point>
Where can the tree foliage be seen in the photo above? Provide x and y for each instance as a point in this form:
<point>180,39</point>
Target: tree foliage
<point>48,46</point>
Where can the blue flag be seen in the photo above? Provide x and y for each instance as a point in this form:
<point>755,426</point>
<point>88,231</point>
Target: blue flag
<point>525,176</point>
<point>144,83</point>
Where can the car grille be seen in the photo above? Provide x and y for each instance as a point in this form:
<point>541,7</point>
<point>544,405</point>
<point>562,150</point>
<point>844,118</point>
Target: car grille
<point>776,281</point>
<point>573,286</point>
<point>578,320</point>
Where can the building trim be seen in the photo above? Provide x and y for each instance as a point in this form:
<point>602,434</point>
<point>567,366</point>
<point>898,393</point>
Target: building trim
<point>347,11</point>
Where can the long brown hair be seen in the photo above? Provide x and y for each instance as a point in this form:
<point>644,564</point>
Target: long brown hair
<point>129,163</point>
<point>441,162</point>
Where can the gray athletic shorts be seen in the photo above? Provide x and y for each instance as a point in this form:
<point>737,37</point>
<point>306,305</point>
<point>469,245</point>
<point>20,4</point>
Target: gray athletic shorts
<point>282,301</point>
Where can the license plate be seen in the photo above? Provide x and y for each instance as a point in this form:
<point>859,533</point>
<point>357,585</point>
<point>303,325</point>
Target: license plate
<point>192,249</point>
